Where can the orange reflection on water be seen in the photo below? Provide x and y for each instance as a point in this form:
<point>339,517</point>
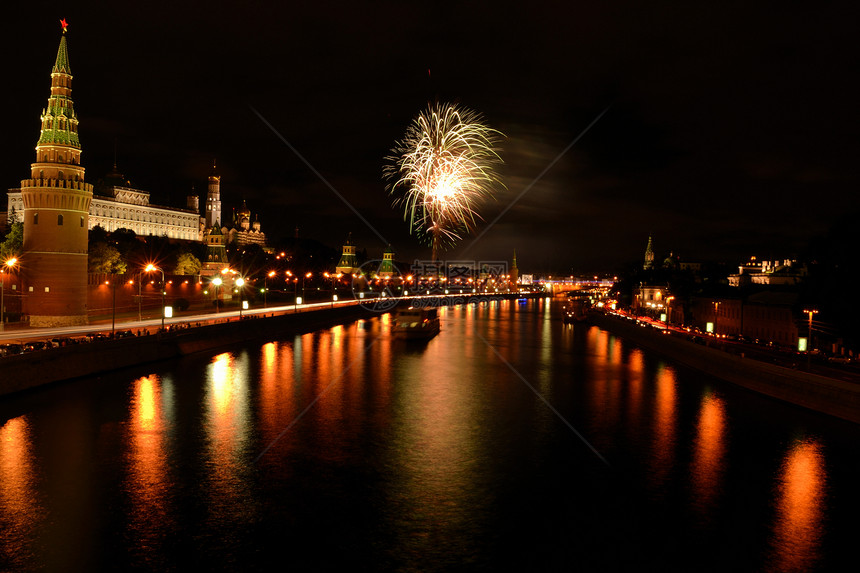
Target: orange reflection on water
<point>227,431</point>
<point>148,482</point>
<point>665,412</point>
<point>798,526</point>
<point>635,376</point>
<point>20,513</point>
<point>709,452</point>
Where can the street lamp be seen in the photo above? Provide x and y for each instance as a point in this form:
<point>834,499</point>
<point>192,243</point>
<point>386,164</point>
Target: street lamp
<point>240,282</point>
<point>306,276</point>
<point>266,288</point>
<point>809,346</point>
<point>149,268</point>
<point>217,282</point>
<point>668,308</point>
<point>9,264</point>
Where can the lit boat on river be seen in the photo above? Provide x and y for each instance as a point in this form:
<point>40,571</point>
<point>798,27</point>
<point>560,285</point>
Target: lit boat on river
<point>416,323</point>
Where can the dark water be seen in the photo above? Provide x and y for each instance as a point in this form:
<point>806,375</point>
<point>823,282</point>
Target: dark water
<point>345,448</point>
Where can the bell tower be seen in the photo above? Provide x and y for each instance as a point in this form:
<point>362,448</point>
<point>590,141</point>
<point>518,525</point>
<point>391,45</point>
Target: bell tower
<point>56,211</point>
<point>213,199</point>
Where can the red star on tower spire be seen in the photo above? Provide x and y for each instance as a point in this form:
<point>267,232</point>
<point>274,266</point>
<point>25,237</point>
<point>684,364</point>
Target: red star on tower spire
<point>64,24</point>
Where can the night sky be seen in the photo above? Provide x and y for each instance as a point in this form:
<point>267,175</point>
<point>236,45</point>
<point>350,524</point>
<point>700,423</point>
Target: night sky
<point>729,130</point>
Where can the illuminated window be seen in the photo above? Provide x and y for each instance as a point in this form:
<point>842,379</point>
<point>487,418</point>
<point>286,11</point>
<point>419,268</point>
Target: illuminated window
<point>35,218</point>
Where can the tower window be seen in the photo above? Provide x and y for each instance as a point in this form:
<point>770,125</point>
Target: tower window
<point>35,218</point>
<point>59,219</point>
<point>82,221</point>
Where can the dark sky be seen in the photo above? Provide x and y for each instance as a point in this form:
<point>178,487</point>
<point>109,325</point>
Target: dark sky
<point>731,129</point>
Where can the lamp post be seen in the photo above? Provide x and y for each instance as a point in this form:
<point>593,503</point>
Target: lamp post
<point>716,314</point>
<point>266,288</point>
<point>306,276</point>
<point>809,312</point>
<point>139,283</point>
<point>217,282</point>
<point>668,309</point>
<point>240,282</point>
<point>149,268</point>
<point>9,264</point>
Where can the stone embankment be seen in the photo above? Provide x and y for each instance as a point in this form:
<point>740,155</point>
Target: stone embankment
<point>820,393</point>
<point>26,371</point>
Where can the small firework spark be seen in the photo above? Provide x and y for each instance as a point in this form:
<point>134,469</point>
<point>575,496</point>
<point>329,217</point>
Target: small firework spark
<point>441,169</point>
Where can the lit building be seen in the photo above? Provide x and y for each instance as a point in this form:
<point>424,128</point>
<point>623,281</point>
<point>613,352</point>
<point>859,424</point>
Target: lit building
<point>348,263</point>
<point>55,203</point>
<point>244,231</point>
<point>387,269</point>
<point>786,272</point>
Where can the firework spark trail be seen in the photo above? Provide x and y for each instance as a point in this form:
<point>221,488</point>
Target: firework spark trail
<point>441,169</point>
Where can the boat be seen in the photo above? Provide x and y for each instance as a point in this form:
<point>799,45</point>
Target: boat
<point>416,323</point>
<point>575,312</point>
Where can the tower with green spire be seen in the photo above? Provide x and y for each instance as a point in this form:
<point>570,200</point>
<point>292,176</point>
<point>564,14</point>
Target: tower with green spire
<point>56,211</point>
<point>348,263</point>
<point>649,255</point>
<point>515,272</point>
<point>386,267</point>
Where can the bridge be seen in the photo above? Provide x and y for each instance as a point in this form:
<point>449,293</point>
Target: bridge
<point>560,286</point>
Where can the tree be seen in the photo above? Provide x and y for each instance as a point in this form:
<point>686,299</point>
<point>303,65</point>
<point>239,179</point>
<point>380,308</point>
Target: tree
<point>187,264</point>
<point>105,259</point>
<point>14,242</point>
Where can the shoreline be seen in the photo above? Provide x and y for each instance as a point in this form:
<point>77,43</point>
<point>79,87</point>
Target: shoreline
<point>23,372</point>
<point>812,391</point>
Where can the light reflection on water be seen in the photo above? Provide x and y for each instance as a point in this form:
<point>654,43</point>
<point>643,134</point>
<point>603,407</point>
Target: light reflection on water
<point>413,454</point>
<point>21,513</point>
<point>709,453</point>
<point>800,500</point>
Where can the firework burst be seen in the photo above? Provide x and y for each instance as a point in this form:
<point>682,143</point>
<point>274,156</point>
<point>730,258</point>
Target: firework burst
<point>441,170</point>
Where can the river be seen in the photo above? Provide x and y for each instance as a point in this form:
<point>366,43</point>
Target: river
<point>509,441</point>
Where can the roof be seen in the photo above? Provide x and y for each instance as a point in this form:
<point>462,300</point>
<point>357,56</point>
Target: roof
<point>62,64</point>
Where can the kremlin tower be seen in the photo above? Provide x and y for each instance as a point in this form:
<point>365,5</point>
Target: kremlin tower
<point>56,212</point>
<point>213,199</point>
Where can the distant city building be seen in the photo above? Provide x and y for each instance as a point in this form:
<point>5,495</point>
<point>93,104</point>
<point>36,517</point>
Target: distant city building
<point>649,255</point>
<point>515,272</point>
<point>785,272</point>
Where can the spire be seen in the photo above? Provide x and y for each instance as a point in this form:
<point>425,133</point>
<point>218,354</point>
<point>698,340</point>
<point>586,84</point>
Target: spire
<point>62,63</point>
<point>649,255</point>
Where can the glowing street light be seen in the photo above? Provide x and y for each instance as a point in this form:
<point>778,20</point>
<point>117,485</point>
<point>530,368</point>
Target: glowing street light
<point>217,282</point>
<point>240,282</point>
<point>8,264</point>
<point>149,268</point>
<point>809,312</point>
<point>266,288</point>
